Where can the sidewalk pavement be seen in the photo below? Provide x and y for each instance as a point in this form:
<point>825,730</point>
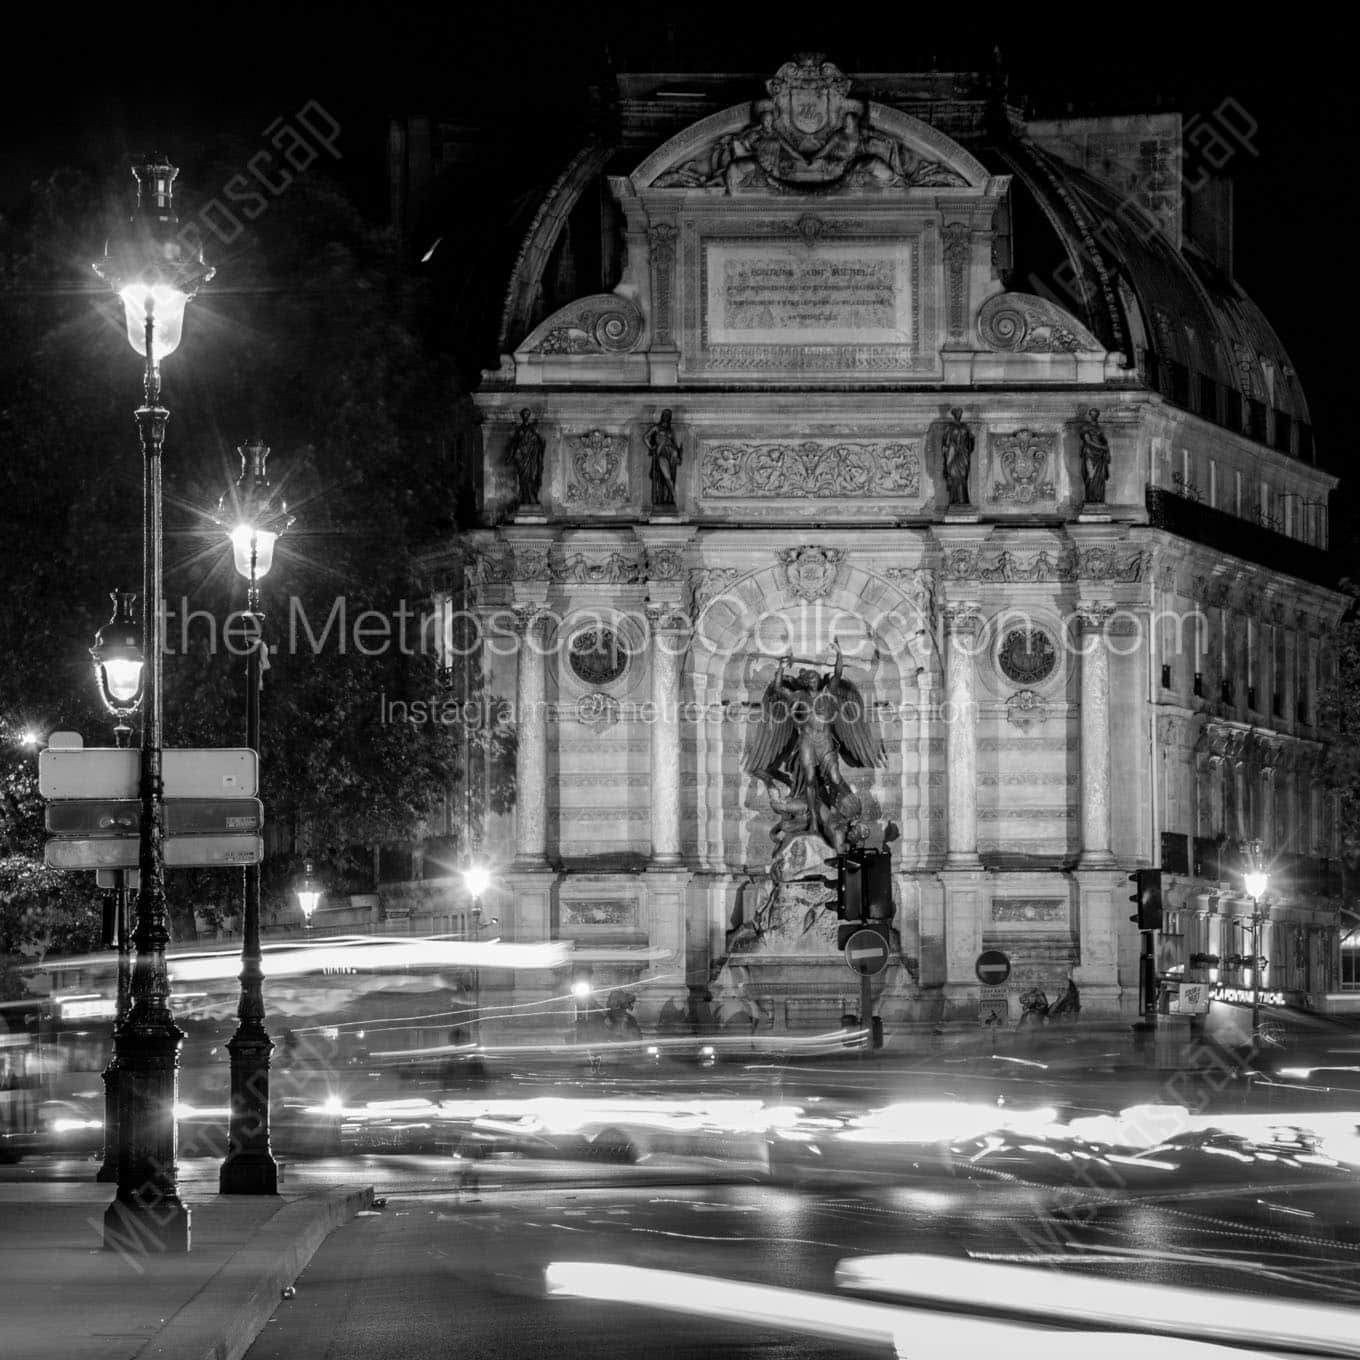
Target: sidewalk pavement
<point>63,1297</point>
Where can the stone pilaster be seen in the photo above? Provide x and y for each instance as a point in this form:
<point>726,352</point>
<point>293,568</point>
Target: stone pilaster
<point>669,639</point>
<point>1095,736</point>
<point>531,748</point>
<point>964,902</point>
<point>963,624</point>
<point>1101,896</point>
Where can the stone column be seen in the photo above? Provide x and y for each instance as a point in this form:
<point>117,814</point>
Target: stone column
<point>531,747</point>
<point>963,623</point>
<point>668,641</point>
<point>1095,736</point>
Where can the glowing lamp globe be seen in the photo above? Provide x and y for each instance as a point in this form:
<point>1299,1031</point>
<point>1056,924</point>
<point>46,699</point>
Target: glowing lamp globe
<point>476,879</point>
<point>152,265</point>
<point>160,303</point>
<point>580,988</point>
<point>118,660</point>
<point>309,891</point>
<point>1255,884</point>
<point>252,514</point>
<point>253,550</point>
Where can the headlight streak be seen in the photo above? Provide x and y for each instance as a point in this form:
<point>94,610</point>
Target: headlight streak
<point>1064,1297</point>
<point>910,1332</point>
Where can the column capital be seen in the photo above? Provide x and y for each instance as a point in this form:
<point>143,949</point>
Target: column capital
<point>1093,615</point>
<point>962,616</point>
<point>663,616</point>
<point>528,614</point>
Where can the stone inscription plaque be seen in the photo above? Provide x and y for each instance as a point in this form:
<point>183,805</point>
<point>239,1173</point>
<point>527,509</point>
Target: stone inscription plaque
<point>759,293</point>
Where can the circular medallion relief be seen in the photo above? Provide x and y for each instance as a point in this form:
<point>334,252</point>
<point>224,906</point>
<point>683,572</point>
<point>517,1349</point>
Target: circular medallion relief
<point>1026,656</point>
<point>597,656</point>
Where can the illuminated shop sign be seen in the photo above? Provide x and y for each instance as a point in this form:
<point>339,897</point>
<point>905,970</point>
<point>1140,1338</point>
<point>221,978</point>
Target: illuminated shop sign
<point>87,1008</point>
<point>1244,996</point>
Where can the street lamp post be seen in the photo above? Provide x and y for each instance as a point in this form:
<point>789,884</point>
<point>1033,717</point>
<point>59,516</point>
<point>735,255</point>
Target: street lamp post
<point>119,671</point>
<point>476,879</point>
<point>1255,881</point>
<point>155,273</point>
<point>253,522</point>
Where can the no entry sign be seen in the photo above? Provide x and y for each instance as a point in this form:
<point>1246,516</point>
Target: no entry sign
<point>866,952</point>
<point>992,967</point>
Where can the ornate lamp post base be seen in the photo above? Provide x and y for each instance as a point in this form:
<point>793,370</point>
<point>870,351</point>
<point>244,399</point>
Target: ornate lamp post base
<point>147,1214</point>
<point>249,1167</point>
<point>109,1170</point>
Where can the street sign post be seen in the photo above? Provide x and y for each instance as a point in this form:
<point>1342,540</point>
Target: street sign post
<point>994,1007</point>
<point>992,967</point>
<point>183,816</point>
<point>866,951</point>
<point>181,852</point>
<point>112,772</point>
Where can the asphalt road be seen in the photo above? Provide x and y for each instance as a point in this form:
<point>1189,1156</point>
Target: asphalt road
<point>441,1272</point>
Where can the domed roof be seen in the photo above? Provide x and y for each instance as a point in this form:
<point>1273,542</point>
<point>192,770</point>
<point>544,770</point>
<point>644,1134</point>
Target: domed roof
<point>1166,308</point>
<point>1181,320</point>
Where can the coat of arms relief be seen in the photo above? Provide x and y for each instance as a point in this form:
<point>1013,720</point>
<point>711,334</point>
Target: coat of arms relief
<point>808,136</point>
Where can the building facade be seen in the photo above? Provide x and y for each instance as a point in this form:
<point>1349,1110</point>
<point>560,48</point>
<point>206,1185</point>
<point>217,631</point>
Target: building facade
<point>876,369</point>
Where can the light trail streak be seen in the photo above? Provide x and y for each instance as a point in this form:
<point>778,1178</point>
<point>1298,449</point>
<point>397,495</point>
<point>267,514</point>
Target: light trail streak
<point>1063,1297</point>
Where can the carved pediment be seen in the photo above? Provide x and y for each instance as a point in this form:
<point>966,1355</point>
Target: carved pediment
<point>1024,323</point>
<point>604,323</point>
<point>809,136</point>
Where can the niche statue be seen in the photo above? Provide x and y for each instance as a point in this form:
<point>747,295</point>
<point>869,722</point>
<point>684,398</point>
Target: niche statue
<point>665,450</point>
<point>1095,459</point>
<point>957,445</point>
<point>526,453</point>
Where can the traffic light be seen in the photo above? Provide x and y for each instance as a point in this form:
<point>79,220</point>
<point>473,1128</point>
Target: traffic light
<point>109,923</point>
<point>863,892</point>
<point>1148,898</point>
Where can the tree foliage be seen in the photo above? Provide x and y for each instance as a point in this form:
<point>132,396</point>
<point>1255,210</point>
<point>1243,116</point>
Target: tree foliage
<point>311,338</point>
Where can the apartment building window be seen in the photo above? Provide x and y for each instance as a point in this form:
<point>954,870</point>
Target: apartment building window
<point>1350,961</point>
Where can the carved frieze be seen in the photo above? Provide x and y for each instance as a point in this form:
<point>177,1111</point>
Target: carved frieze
<point>612,569</point>
<point>531,564</point>
<point>1029,909</point>
<point>663,564</point>
<point>491,566</point>
<point>958,249</point>
<point>1026,710</point>
<point>600,913</point>
<point>811,572</point>
<point>596,458</point>
<point>1091,564</point>
<point>597,711</point>
<point>1026,324</point>
<point>814,469</point>
<point>1025,458</point>
<point>661,242</point>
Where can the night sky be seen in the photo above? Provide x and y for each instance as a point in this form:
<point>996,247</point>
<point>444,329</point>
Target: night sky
<point>123,83</point>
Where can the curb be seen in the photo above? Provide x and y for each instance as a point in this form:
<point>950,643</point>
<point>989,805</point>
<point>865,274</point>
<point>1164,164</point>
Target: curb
<point>222,1321</point>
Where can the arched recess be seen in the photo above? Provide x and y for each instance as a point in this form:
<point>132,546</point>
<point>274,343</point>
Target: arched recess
<point>526,278</point>
<point>890,654</point>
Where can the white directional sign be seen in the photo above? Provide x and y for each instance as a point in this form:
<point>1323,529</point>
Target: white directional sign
<point>181,852</point>
<point>866,952</point>
<point>993,1006</point>
<point>115,772</point>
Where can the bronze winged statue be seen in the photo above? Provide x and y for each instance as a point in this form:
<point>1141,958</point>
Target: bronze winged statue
<point>809,725</point>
